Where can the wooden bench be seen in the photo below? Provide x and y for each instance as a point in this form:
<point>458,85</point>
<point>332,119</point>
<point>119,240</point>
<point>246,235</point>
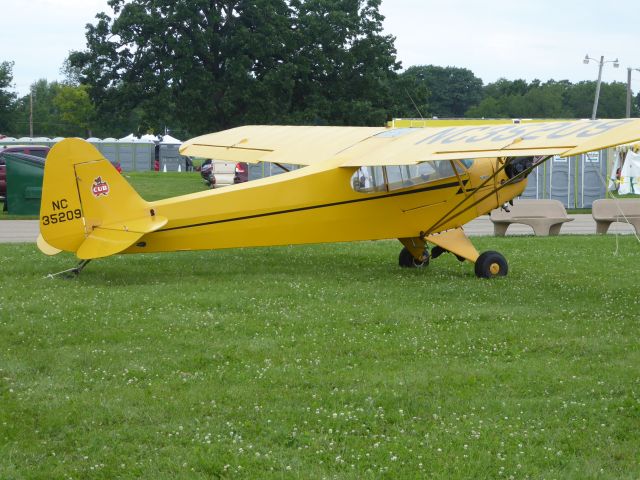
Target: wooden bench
<point>544,216</point>
<point>608,210</point>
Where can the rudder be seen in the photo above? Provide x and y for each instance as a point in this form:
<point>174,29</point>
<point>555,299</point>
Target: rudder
<point>83,195</point>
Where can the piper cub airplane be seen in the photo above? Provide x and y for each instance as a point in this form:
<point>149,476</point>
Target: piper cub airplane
<point>418,185</point>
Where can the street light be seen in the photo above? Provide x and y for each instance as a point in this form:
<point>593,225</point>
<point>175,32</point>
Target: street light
<point>629,69</point>
<point>601,63</point>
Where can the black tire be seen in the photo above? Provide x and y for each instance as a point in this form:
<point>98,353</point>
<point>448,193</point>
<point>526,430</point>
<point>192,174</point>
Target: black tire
<point>406,260</point>
<point>437,251</point>
<point>491,264</point>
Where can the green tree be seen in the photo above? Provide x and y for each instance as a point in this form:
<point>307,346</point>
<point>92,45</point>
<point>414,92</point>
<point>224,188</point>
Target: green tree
<point>613,100</point>
<point>7,98</point>
<point>446,92</point>
<point>74,109</point>
<point>410,95</point>
<point>203,65</point>
<point>552,99</point>
<point>453,90</point>
<point>45,117</point>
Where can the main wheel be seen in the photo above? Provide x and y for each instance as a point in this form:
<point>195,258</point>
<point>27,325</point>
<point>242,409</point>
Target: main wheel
<point>491,264</point>
<point>406,260</point>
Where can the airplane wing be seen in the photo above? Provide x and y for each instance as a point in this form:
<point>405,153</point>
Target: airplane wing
<point>367,146</point>
<point>566,138</point>
<point>272,143</point>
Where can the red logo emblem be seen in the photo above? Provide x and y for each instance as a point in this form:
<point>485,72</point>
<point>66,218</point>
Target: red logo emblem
<point>100,187</point>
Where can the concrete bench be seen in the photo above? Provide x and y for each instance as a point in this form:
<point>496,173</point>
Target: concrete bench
<point>544,216</point>
<point>608,210</point>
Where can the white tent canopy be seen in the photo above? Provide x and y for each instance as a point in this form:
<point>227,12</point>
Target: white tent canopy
<point>169,140</point>
<point>149,138</point>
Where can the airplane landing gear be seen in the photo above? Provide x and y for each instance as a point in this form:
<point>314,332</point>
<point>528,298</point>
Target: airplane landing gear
<point>491,264</point>
<point>72,272</point>
<point>438,250</point>
<point>407,260</point>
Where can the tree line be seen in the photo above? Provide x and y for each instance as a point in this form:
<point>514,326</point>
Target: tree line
<point>198,66</point>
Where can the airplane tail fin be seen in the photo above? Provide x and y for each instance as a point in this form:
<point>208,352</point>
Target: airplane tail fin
<point>87,206</point>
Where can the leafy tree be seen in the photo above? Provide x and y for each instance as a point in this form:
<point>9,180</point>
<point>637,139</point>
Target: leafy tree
<point>453,90</point>
<point>410,95</point>
<point>74,109</point>
<point>613,100</point>
<point>7,98</point>
<point>58,110</point>
<point>203,65</point>
<point>553,99</point>
<point>436,91</point>
<point>45,118</point>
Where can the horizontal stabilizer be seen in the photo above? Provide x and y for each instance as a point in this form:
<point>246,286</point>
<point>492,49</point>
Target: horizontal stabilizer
<point>111,239</point>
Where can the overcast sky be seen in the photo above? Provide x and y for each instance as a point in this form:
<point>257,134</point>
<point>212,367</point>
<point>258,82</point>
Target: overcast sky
<point>526,39</point>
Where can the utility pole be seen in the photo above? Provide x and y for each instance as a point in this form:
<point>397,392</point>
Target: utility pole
<point>629,69</point>
<point>601,63</point>
<point>31,114</point>
<point>595,102</point>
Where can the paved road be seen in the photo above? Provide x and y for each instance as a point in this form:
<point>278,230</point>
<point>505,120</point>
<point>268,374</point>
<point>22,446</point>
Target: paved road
<point>14,231</point>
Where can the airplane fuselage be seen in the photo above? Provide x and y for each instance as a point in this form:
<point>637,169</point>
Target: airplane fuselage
<point>318,204</point>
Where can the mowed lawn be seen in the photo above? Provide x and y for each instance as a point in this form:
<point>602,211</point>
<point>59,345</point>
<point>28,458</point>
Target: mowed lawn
<point>323,361</point>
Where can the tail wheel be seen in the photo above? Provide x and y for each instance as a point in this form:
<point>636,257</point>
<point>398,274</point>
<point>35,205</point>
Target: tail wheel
<point>407,260</point>
<point>491,264</point>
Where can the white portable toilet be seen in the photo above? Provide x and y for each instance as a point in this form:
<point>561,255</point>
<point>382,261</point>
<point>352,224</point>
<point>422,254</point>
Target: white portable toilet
<point>144,149</point>
<point>169,155</point>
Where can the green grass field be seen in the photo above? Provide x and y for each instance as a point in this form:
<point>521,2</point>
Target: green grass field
<point>323,362</point>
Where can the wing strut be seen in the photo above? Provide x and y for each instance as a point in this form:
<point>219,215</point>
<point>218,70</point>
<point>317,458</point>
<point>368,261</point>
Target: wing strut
<point>450,216</point>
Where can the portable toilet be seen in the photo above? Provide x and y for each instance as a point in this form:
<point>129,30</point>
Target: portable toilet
<point>169,155</point>
<point>125,151</point>
<point>109,149</point>
<point>560,178</point>
<point>592,178</point>
<point>143,154</point>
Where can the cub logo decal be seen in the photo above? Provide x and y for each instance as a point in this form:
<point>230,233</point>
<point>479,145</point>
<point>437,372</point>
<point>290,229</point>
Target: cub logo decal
<point>100,187</point>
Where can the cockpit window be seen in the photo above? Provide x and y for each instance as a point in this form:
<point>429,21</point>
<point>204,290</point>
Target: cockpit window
<point>369,179</point>
<point>394,177</point>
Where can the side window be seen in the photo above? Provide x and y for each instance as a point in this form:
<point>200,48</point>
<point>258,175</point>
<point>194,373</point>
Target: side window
<point>369,179</point>
<point>395,177</point>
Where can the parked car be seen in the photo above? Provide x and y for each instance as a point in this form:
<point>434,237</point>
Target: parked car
<point>218,174</point>
<point>35,150</point>
<point>242,173</point>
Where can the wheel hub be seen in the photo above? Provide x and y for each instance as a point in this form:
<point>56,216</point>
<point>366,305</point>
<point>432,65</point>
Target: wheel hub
<point>494,268</point>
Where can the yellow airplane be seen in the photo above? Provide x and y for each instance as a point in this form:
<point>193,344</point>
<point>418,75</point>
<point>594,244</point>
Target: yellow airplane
<point>357,183</point>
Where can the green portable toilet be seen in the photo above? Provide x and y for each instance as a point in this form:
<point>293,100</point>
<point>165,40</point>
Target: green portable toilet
<point>24,183</point>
